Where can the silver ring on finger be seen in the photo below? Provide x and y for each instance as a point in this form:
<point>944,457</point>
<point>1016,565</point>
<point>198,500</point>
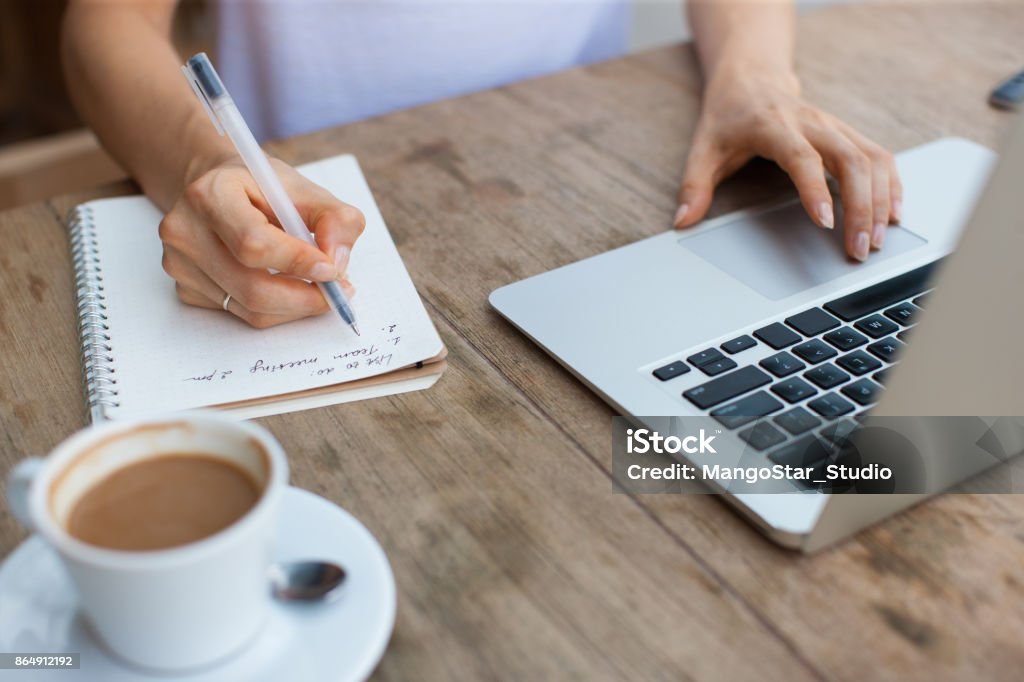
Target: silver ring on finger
<point>226,302</point>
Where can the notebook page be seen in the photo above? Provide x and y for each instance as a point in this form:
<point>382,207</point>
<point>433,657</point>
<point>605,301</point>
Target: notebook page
<point>170,356</point>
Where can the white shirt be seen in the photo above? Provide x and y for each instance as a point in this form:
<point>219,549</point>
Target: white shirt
<point>294,66</point>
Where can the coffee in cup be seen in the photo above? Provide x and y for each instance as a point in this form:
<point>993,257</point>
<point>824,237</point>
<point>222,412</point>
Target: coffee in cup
<point>162,502</point>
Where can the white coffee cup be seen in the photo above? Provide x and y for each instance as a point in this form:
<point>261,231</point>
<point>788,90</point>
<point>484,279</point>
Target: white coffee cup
<point>172,609</point>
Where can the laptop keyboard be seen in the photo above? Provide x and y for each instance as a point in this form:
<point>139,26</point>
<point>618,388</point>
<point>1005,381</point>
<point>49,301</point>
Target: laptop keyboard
<point>829,367</point>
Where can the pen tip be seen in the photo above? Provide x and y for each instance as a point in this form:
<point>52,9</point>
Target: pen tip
<point>355,329</point>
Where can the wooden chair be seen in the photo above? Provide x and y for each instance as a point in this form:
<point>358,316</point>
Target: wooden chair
<point>57,164</point>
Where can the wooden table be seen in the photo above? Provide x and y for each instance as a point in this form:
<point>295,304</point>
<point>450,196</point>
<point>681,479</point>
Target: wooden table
<point>491,492</point>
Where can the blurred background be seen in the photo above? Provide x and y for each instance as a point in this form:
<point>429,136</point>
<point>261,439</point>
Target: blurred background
<point>44,149</point>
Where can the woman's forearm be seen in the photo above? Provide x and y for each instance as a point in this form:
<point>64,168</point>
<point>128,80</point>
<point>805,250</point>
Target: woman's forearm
<point>752,108</point>
<point>218,237</point>
<point>123,76</point>
<point>744,34</point>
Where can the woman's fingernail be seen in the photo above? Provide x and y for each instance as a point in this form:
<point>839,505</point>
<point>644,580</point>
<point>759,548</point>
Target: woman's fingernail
<point>680,214</point>
<point>897,210</point>
<point>861,246</point>
<point>878,235</point>
<point>341,256</point>
<point>350,290</point>
<point>826,216</point>
<point>323,272</point>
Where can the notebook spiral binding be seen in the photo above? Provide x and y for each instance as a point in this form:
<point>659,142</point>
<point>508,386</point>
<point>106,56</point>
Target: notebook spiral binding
<point>99,373</point>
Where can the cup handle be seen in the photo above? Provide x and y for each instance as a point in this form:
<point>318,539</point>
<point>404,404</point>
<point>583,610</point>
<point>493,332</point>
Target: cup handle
<point>19,484</point>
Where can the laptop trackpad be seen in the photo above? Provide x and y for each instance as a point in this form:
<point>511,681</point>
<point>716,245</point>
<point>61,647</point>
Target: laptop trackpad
<point>780,252</point>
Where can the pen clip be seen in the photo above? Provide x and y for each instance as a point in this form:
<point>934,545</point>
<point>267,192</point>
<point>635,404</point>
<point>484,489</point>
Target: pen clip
<point>202,99</point>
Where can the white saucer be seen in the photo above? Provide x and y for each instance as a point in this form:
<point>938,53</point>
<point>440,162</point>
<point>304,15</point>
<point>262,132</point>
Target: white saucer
<point>343,640</point>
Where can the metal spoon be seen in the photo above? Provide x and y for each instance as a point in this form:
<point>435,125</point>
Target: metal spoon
<point>307,581</point>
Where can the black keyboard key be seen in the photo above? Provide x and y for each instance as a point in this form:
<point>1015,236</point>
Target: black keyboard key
<point>812,322</point>
<point>921,300</point>
<point>887,349</point>
<point>797,421</point>
<point>815,351</point>
<point>738,344</point>
<point>902,336</point>
<point>881,376</point>
<point>863,392</point>
<point>793,390</point>
<point>877,326</point>
<point>677,368</point>
<point>782,364</point>
<point>837,432</point>
<point>881,295</point>
<point>827,376</point>
<point>777,335</point>
<point>726,387</point>
<point>831,405</point>
<point>762,435</point>
<point>718,367</point>
<point>845,338</point>
<point>903,313</point>
<point>803,452</point>
<point>858,362</point>
<point>735,415</point>
<point>705,357</point>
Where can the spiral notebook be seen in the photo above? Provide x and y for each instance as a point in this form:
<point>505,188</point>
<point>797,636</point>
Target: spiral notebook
<point>145,352</point>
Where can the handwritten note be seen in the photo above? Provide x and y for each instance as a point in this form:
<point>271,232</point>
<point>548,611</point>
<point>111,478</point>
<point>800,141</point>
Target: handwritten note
<point>338,364</point>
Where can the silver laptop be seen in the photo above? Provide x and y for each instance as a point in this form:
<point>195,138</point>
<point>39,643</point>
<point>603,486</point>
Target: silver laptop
<point>761,313</point>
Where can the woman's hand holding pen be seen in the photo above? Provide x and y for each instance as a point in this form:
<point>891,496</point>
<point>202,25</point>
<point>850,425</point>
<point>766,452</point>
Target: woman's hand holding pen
<point>220,238</point>
<point>753,111</point>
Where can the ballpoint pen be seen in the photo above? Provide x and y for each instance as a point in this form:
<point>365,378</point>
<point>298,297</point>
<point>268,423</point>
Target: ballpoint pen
<point>227,119</point>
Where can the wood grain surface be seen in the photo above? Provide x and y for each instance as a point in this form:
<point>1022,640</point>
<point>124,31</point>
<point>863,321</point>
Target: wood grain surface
<point>491,492</point>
